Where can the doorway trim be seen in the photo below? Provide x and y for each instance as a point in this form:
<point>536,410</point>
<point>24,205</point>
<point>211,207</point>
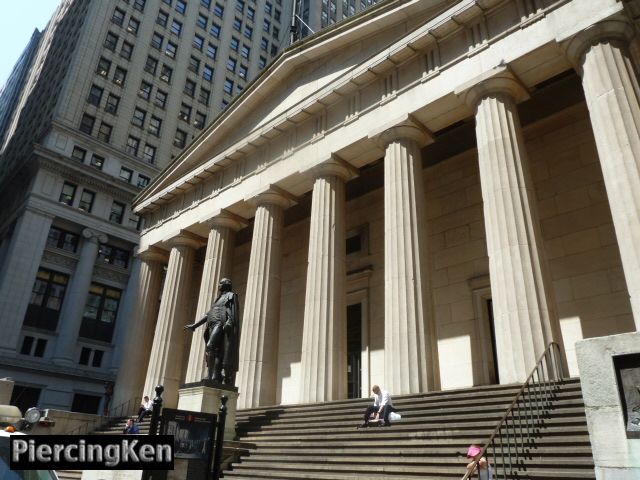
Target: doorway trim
<point>358,292</point>
<point>484,370</point>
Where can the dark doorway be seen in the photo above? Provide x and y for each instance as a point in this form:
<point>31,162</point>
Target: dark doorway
<point>85,403</point>
<point>354,350</point>
<point>25,397</point>
<point>494,369</point>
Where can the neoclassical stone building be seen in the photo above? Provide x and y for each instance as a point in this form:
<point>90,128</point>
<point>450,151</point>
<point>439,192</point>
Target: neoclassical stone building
<point>423,196</point>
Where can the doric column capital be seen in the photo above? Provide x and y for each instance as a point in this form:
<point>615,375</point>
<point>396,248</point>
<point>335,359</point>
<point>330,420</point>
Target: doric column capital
<point>153,254</point>
<point>186,239</point>
<point>272,195</point>
<point>498,81</point>
<point>618,31</point>
<point>405,127</point>
<point>333,167</point>
<point>94,236</point>
<point>225,219</point>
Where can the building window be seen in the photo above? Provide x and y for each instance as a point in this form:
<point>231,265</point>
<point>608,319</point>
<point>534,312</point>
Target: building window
<point>97,358</point>
<point>248,32</point>
<point>194,64</point>
<point>251,13</point>
<point>176,27</point>
<point>86,124</point>
<point>231,64</point>
<point>25,397</point>
<point>125,173</point>
<point>171,50</point>
<point>46,300</point>
<point>218,10</point>
<point>245,51</point>
<point>62,239</point>
<point>276,33</point>
<point>126,50</point>
<point>133,144</point>
<point>185,113</point>
<point>78,154</point>
<point>198,42</point>
<point>28,343</point>
<point>85,354</point>
<point>134,26</point>
<point>181,6</point>
<point>119,76</point>
<point>103,68</point>
<point>86,200</point>
<point>267,8</point>
<point>215,30</point>
<point>276,15</point>
<point>138,117</point>
<point>100,312</point>
<point>262,62</point>
<point>68,193</point>
<point>113,255</point>
<point>202,21</point>
<point>162,19</point>
<point>199,120</point>
<point>165,73</point>
<point>240,5</point>
<point>161,99</point>
<point>85,403</point>
<point>97,161</point>
<point>117,212</point>
<point>190,87</point>
<point>118,17</point>
<point>205,95</point>
<point>111,41</point>
<point>237,24</point>
<point>157,40</point>
<point>112,104</point>
<point>266,25</point>
<point>95,95</point>
<point>149,153</point>
<point>207,73</point>
<point>168,2</point>
<point>205,3</point>
<point>242,72</point>
<point>228,86</point>
<point>180,139</point>
<point>235,44</point>
<point>139,5</point>
<point>145,90</point>
<point>264,44</point>
<point>155,124</point>
<point>151,65</point>
<point>212,51</point>
<point>104,132</point>
<point>91,357</point>
<point>143,181</point>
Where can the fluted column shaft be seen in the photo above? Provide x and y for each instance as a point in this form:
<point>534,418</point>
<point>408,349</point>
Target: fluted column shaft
<point>523,313</point>
<point>261,318</point>
<point>165,362</point>
<point>410,341</point>
<point>138,339</point>
<point>217,265</point>
<point>18,274</point>
<point>324,338</point>
<point>611,89</point>
<point>76,298</point>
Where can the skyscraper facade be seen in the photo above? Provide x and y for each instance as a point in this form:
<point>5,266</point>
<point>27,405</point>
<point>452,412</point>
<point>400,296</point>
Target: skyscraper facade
<point>115,91</point>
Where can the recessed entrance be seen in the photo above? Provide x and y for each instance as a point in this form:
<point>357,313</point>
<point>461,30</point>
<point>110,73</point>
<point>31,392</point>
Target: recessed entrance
<point>354,350</point>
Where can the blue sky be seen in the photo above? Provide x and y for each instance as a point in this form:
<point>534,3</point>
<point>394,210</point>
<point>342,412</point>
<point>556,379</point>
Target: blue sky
<point>18,20</point>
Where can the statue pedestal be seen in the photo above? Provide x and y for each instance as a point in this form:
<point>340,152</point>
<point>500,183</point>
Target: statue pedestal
<point>204,396</point>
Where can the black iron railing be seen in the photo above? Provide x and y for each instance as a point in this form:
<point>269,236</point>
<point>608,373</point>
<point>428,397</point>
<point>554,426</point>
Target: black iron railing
<point>523,419</point>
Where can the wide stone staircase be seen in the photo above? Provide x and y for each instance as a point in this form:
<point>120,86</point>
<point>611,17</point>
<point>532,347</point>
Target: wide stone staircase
<point>321,441</point>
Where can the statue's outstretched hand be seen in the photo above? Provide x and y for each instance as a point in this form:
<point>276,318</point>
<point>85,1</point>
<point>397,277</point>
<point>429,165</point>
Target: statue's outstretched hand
<point>191,326</point>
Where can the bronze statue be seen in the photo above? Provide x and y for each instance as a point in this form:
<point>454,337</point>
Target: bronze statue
<point>222,335</point>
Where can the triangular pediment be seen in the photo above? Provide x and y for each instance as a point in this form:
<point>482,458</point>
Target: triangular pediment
<point>282,95</point>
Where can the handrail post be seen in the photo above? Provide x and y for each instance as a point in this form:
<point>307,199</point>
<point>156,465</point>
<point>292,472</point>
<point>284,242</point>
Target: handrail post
<point>222,415</point>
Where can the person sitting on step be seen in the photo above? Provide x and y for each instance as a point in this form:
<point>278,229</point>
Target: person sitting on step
<point>485,471</point>
<point>131,428</point>
<point>145,408</point>
<point>381,408</point>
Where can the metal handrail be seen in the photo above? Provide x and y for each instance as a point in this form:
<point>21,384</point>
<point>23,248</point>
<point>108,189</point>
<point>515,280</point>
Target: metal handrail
<point>122,410</point>
<point>535,395</point>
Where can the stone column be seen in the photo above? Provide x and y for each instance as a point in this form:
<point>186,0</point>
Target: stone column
<point>138,337</point>
<point>410,338</point>
<point>260,321</point>
<point>75,298</point>
<point>19,272</point>
<point>217,265</point>
<point>324,338</point>
<point>601,56</point>
<point>520,288</point>
<point>166,360</point>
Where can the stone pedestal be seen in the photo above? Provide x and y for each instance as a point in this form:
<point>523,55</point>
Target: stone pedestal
<point>204,396</point>
<point>615,456</point>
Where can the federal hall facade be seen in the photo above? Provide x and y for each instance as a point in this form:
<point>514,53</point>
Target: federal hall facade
<point>422,197</point>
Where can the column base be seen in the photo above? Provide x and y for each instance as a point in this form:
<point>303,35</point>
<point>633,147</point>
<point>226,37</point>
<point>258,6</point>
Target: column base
<point>204,396</point>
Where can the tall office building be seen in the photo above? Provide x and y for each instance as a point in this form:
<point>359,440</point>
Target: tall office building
<point>115,91</point>
<point>314,15</point>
